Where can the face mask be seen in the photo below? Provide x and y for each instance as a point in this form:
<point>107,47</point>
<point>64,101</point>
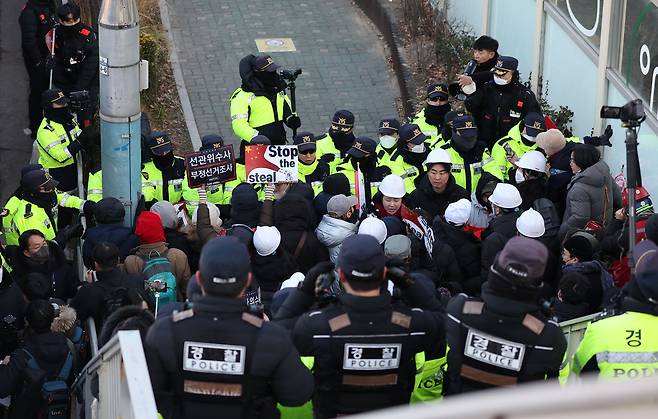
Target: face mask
<point>60,115</point>
<point>41,256</point>
<point>529,138</point>
<point>162,162</point>
<point>518,177</point>
<point>388,141</point>
<point>500,81</point>
<point>420,148</point>
<point>463,144</point>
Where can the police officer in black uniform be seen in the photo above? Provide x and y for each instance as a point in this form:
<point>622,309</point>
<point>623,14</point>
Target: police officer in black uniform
<point>36,20</point>
<point>363,344</point>
<point>503,338</point>
<point>501,103</point>
<point>218,358</point>
<point>76,55</point>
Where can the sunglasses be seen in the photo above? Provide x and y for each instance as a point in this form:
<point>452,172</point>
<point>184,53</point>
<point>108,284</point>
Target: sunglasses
<point>310,151</point>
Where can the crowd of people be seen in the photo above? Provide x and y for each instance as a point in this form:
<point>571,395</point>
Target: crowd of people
<point>476,230</point>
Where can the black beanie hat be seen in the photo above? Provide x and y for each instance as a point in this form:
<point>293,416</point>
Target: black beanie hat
<point>579,247</point>
<point>336,184</point>
<point>585,155</point>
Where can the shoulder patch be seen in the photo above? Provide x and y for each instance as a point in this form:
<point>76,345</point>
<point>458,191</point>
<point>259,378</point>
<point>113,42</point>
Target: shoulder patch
<point>4,212</point>
<point>237,92</point>
<point>85,32</point>
<point>401,319</point>
<point>533,324</point>
<point>473,307</point>
<point>252,320</point>
<point>49,128</point>
<point>339,322</point>
<point>145,175</point>
<point>182,315</point>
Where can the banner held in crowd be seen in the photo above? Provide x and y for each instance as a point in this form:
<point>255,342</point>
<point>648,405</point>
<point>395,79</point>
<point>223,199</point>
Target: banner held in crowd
<point>271,163</point>
<point>210,166</point>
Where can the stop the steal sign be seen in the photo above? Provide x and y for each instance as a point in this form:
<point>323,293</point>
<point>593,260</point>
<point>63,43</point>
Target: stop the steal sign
<point>271,163</point>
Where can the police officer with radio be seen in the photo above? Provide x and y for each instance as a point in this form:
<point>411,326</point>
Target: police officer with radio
<point>221,356</point>
<point>503,338</point>
<point>363,344</point>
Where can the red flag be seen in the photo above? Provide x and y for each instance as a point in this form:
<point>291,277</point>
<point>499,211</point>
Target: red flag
<point>549,123</point>
<point>255,158</point>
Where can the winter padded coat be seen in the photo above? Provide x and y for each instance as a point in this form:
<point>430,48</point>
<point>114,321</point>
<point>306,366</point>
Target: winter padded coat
<point>586,198</point>
<point>332,232</point>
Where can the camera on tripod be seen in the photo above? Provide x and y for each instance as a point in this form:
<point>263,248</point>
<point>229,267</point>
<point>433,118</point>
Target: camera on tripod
<point>631,114</point>
<point>79,101</point>
<point>290,75</point>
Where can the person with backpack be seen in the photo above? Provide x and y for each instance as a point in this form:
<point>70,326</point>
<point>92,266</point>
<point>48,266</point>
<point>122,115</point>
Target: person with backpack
<point>37,375</point>
<point>105,294</point>
<point>166,271</point>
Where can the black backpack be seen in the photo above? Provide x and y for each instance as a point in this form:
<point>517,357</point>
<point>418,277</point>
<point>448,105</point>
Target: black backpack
<point>54,400</point>
<point>112,302</point>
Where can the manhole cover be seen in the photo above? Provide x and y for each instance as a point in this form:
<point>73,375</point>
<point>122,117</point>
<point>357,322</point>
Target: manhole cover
<point>275,45</point>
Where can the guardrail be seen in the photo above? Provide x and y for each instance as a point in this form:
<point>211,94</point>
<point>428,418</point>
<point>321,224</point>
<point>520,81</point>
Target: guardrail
<point>119,373</point>
<point>574,330</point>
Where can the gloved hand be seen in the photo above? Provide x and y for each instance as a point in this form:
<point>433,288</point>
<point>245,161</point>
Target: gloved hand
<point>74,147</point>
<point>69,232</point>
<point>397,273</point>
<point>308,286</point>
<point>327,158</point>
<point>293,121</point>
<point>88,209</point>
<point>604,139</point>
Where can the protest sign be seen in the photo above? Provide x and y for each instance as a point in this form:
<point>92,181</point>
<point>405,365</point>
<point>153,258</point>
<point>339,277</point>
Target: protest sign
<point>271,163</point>
<point>216,165</point>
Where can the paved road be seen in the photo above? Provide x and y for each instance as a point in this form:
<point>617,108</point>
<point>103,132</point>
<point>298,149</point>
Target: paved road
<point>15,146</point>
<point>342,58</point>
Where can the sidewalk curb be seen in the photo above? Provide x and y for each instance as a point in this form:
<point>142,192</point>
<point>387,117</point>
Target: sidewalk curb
<point>178,76</point>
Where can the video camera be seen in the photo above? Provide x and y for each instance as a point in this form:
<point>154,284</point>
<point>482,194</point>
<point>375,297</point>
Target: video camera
<point>79,101</point>
<point>290,75</point>
<point>631,114</point>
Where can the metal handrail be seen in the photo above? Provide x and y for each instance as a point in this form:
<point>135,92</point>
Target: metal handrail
<point>124,385</point>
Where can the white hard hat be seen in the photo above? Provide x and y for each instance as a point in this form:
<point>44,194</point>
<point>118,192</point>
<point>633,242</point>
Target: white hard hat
<point>505,196</point>
<point>213,211</point>
<point>293,281</point>
<point>438,156</point>
<point>533,160</point>
<point>392,186</point>
<point>458,212</point>
<point>374,227</point>
<point>531,224</point>
<point>266,240</point>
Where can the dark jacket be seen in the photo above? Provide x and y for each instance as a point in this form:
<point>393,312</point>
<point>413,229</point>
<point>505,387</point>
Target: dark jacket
<point>76,59</point>
<point>90,298</point>
<point>311,328</point>
<point>126,318</point>
<point>50,351</point>
<point>12,306</point>
<point>600,281</point>
<point>275,358</point>
<point>483,73</point>
<point>178,240</point>
<point>564,311</point>
<point>295,220</point>
<point>506,319</point>
<point>35,21</point>
<point>592,194</point>
<point>122,237</point>
<point>65,279</point>
<point>500,230</point>
<point>499,108</point>
<point>560,176</point>
<point>461,251</point>
<point>435,203</point>
<point>269,272</point>
<point>531,190</point>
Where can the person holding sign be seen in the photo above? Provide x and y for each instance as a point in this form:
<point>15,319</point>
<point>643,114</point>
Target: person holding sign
<point>311,170</point>
<point>164,169</point>
<point>241,173</point>
<point>214,191</point>
<point>360,167</point>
